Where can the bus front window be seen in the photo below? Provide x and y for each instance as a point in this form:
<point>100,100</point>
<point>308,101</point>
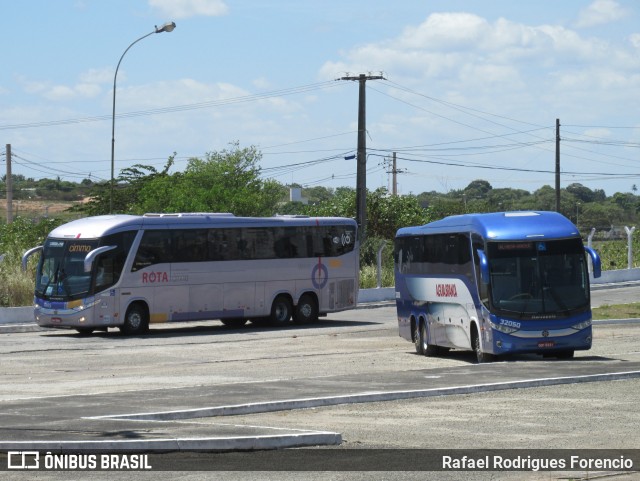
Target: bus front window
<point>60,273</point>
<point>538,278</point>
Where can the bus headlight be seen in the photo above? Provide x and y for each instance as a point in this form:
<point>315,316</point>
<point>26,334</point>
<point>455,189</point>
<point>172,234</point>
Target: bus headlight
<point>502,328</point>
<point>581,325</point>
<point>82,307</point>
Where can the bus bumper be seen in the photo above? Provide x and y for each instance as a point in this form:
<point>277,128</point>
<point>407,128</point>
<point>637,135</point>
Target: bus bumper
<point>65,315</point>
<point>537,342</point>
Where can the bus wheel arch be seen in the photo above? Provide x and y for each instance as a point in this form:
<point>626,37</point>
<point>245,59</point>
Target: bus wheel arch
<point>136,319</point>
<point>307,309</point>
<point>281,309</point>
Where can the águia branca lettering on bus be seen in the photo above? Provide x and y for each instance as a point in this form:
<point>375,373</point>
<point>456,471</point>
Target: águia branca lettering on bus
<point>446,290</point>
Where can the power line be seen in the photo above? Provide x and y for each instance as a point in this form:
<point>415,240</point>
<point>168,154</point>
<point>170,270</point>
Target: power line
<point>177,108</point>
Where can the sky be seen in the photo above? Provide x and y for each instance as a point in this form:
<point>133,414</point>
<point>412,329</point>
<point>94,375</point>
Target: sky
<point>471,90</point>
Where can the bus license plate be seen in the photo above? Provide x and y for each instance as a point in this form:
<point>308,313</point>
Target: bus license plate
<point>56,320</point>
<point>546,344</point>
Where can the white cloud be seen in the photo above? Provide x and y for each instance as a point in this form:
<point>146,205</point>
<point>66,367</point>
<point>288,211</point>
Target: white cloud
<point>98,76</point>
<point>447,46</point>
<point>599,13</point>
<point>175,9</point>
<point>87,87</point>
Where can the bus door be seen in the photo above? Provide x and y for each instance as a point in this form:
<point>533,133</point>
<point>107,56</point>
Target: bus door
<point>107,270</point>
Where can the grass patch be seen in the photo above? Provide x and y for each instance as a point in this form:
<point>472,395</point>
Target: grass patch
<point>618,311</point>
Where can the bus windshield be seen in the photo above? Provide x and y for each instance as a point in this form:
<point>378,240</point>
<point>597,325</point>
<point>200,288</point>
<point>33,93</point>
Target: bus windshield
<point>60,273</point>
<point>538,278</point>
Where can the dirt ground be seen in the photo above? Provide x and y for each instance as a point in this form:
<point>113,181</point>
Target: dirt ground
<point>35,208</point>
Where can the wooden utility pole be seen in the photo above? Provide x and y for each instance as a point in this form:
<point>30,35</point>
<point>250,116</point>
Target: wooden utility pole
<point>9,184</point>
<point>361,172</point>
<point>557,165</point>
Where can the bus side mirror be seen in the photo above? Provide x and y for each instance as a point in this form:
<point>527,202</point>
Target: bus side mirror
<point>88,260</point>
<point>484,266</point>
<point>29,253</point>
<point>595,261</point>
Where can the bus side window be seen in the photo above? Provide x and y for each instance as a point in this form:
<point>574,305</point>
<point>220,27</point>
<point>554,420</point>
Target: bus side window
<point>154,249</point>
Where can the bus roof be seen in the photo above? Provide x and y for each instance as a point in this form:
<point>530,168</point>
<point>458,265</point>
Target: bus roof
<point>506,226</point>
<point>98,226</point>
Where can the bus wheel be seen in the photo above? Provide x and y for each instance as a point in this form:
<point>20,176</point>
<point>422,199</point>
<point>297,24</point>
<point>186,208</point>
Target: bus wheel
<point>418,339</point>
<point>280,311</point>
<point>481,356</point>
<point>428,350</point>
<point>136,320</point>
<point>306,310</point>
<point>234,323</point>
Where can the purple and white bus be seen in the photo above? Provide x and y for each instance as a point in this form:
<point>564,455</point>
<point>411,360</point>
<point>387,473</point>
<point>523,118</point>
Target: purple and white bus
<point>131,271</point>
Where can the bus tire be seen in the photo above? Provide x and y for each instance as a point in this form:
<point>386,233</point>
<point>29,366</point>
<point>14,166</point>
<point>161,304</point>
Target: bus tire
<point>481,356</point>
<point>234,323</point>
<point>306,310</point>
<point>418,340</point>
<point>136,320</point>
<point>421,341</point>
<point>281,311</point>
<point>429,350</point>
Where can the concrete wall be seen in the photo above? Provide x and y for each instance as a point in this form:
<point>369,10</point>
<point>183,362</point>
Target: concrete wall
<point>17,315</point>
<point>620,275</point>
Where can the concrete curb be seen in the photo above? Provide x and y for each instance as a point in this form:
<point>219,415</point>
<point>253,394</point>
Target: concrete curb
<point>239,443</point>
<point>367,397</point>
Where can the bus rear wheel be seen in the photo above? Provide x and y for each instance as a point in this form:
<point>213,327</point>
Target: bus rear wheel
<point>418,339</point>
<point>281,311</point>
<point>136,320</point>
<point>422,341</point>
<point>306,310</point>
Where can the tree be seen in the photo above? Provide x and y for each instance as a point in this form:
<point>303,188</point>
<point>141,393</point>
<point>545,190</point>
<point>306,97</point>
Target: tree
<point>225,181</point>
<point>478,189</point>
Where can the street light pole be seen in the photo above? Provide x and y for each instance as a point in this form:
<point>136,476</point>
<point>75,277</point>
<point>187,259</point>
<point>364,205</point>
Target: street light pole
<point>167,27</point>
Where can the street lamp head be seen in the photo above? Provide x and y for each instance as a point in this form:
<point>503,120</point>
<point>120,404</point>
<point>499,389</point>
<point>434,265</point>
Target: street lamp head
<point>167,27</point>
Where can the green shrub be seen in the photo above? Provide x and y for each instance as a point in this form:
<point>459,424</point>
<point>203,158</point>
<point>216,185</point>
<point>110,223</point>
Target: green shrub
<point>16,287</point>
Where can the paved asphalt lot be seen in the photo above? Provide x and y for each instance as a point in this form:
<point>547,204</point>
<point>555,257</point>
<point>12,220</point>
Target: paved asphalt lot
<point>275,386</point>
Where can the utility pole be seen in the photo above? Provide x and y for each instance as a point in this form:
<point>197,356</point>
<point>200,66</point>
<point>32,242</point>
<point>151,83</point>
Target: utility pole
<point>557,165</point>
<point>394,175</point>
<point>361,172</point>
<point>9,183</point>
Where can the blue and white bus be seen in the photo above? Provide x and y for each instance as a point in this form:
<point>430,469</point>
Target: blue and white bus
<point>499,283</point>
<point>129,271</point>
